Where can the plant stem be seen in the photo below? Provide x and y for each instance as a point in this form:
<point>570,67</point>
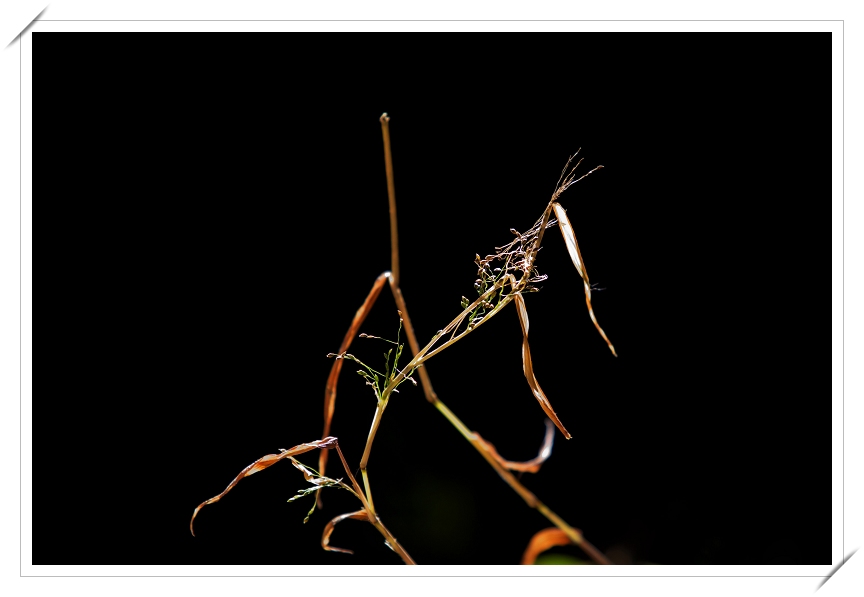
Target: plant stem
<point>530,499</point>
<point>379,412</point>
<point>391,541</point>
<point>391,195</point>
<point>420,356</point>
<point>574,534</point>
<point>373,517</point>
<point>368,490</point>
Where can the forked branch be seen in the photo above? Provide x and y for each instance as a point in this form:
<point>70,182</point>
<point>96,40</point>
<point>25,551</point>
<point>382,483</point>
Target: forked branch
<point>502,277</point>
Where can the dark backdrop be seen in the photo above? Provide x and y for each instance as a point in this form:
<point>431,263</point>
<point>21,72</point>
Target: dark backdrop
<point>210,210</point>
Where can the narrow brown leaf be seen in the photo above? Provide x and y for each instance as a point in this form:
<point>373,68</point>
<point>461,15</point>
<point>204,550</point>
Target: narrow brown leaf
<point>328,530</point>
<point>333,378</point>
<point>528,466</point>
<point>573,248</point>
<point>543,540</point>
<point>528,367</point>
<point>264,462</point>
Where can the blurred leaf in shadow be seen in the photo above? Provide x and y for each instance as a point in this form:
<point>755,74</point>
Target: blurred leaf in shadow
<point>560,559</point>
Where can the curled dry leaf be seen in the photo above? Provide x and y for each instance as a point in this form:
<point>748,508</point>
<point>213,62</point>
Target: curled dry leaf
<point>264,462</point>
<point>528,466</point>
<point>328,530</point>
<point>542,541</point>
<point>528,367</point>
<point>576,256</point>
<point>333,378</point>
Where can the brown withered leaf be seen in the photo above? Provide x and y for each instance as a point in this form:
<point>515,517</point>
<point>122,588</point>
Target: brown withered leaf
<point>333,378</point>
<point>543,540</point>
<point>328,530</point>
<point>264,462</point>
<point>573,248</point>
<point>528,466</point>
<point>528,367</point>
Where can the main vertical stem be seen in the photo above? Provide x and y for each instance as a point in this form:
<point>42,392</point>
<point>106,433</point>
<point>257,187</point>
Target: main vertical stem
<point>391,194</point>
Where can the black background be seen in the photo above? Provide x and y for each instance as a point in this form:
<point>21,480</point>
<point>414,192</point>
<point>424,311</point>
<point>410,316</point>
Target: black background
<point>210,210</point>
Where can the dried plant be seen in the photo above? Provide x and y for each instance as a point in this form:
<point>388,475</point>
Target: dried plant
<point>502,277</point>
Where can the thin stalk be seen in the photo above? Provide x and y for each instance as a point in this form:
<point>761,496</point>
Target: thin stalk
<point>391,194</point>
<point>428,355</point>
<point>533,254</point>
<point>379,412</point>
<point>368,490</point>
<point>373,518</point>
<point>573,534</point>
<point>392,542</point>
<point>426,352</point>
<point>412,342</point>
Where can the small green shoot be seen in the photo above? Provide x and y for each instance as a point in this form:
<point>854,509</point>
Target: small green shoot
<point>383,384</point>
